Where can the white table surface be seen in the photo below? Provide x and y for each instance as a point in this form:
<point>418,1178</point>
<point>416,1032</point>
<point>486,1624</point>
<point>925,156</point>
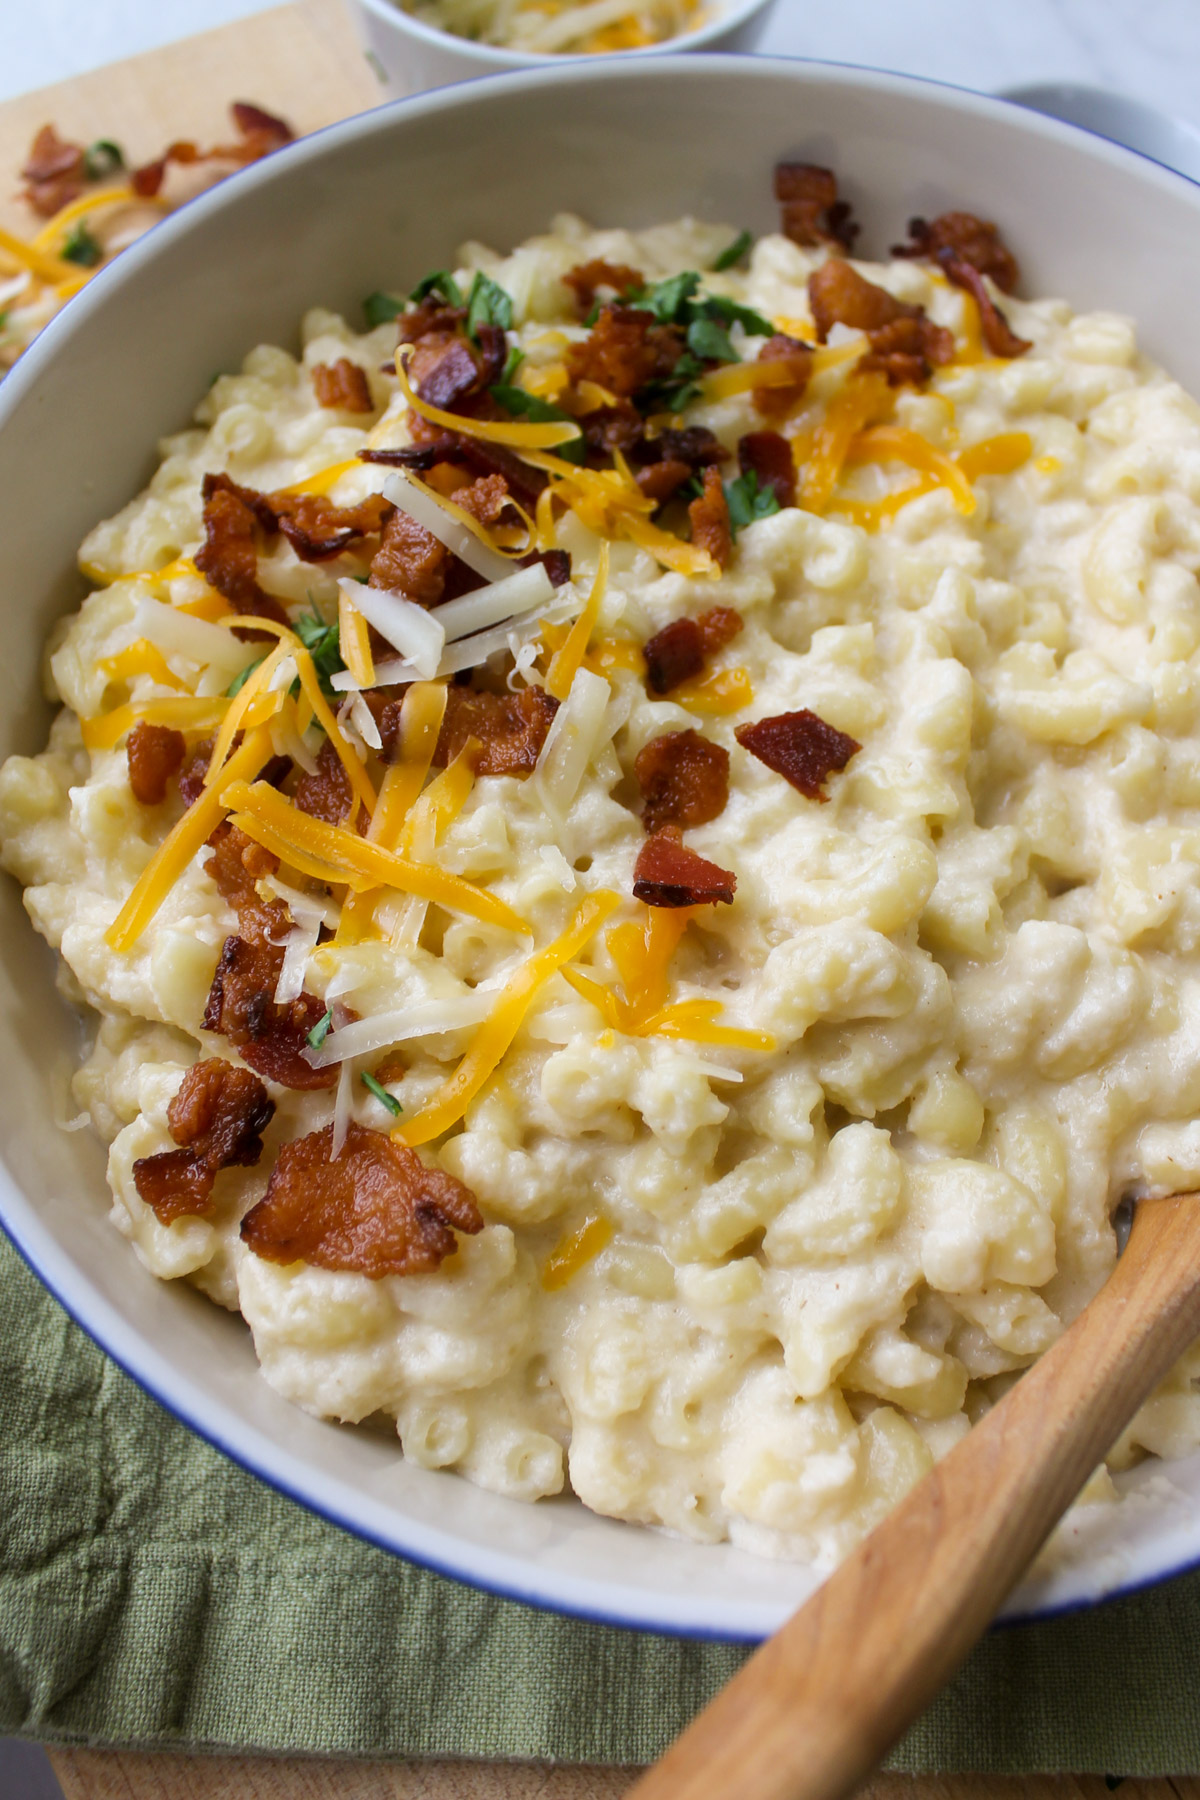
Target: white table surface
<point>1147,48</point>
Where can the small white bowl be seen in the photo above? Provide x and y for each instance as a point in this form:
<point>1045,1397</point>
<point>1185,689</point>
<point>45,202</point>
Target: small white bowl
<point>410,58</point>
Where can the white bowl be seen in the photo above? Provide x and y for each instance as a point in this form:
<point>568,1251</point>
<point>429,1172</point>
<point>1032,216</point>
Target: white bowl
<point>375,202</point>
<point>409,57</point>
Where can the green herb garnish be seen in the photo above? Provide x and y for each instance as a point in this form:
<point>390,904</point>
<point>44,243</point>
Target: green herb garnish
<point>379,307</point>
<point>488,304</point>
<point>748,501</point>
<point>516,356</point>
<point>321,642</point>
<point>242,677</point>
<point>380,1092</point>
<point>710,341</point>
<point>441,284</point>
<point>667,300</point>
<point>679,389</point>
<point>717,306</point>
<point>320,1031</point>
<point>736,250</point>
<point>81,246</point>
<point>529,406</point>
<point>103,158</point>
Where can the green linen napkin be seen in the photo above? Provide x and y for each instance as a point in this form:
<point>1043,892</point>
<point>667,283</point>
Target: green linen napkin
<point>152,1594</point>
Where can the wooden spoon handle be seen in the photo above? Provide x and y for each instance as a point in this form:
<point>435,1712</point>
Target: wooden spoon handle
<point>817,1706</point>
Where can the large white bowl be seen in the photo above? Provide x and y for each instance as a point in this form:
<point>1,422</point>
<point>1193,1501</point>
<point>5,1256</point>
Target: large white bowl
<point>376,202</point>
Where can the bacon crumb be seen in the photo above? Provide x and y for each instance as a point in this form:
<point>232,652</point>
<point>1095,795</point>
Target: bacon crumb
<point>271,1038</point>
<point>685,779</point>
<point>775,402</point>
<point>801,747</point>
<point>586,279</point>
<point>228,558</point>
<point>768,456</point>
<point>410,561</point>
<point>668,873</point>
<point>55,173</point>
<point>510,728</point>
<point>444,376</point>
<point>375,1209</point>
<point>718,627</point>
<point>678,652</point>
<point>626,350</point>
<point>903,341</point>
<point>154,753</point>
<point>237,864</point>
<point>191,775</point>
<point>263,130</point>
<point>343,385</point>
<point>811,211</point>
<point>709,515</point>
<point>326,795</point>
<point>660,480</point>
<point>259,133</point>
<point>967,239</point>
<point>998,334</point>
<point>317,529</point>
<point>217,1117</point>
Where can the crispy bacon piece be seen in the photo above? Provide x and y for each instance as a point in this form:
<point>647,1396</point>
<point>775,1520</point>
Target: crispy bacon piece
<point>667,873</point>
<point>428,316</point>
<point>811,210</point>
<point>153,752</point>
<point>327,794</point>
<point>625,351</point>
<point>344,385</point>
<point>271,1038</point>
<point>54,173</point>
<point>191,775</point>
<point>709,515</point>
<point>317,529</point>
<point>998,334</point>
<point>217,1118</point>
<point>586,279</point>
<point>801,747</point>
<point>476,457</point>
<point>679,651</point>
<point>685,779</point>
<point>375,1210</point>
<point>510,727</point>
<point>228,557</point>
<point>411,561</point>
<point>237,864</point>
<point>485,499</point>
<point>259,133</point>
<point>660,480</point>
<point>607,429</point>
<point>775,402</point>
<point>446,375</point>
<point>768,456</point>
<point>903,341</point>
<point>967,239</point>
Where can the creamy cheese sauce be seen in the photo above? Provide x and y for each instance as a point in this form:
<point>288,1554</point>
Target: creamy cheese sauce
<point>746,1294</point>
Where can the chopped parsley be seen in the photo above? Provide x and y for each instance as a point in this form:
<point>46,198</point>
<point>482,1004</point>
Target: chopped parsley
<point>320,1031</point>
<point>710,341</point>
<point>515,400</point>
<point>488,304</point>
<point>667,300</point>
<point>380,1092</point>
<point>242,677</point>
<point>516,356</point>
<point>749,501</point>
<point>717,306</point>
<point>81,246</point>
<point>321,642</point>
<point>441,285</point>
<point>678,390</point>
<point>103,158</point>
<point>735,251</point>
<point>379,307</point>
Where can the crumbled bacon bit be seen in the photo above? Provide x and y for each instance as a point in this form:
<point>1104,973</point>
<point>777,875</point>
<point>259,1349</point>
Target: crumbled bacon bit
<point>217,1117</point>
<point>557,564</point>
<point>695,445</point>
<point>903,341</point>
<point>625,351</point>
<point>709,515</point>
<point>678,652</point>
<point>317,529</point>
<point>685,779</point>
<point>967,239</point>
<point>485,499</point>
<point>511,729</point>
<point>259,133</point>
<point>998,334</point>
<point>801,747</point>
<point>326,795</point>
<point>410,561</point>
<point>586,279</point>
<point>228,558</point>
<point>768,456</point>
<point>191,775</point>
<point>660,480</point>
<point>263,131</point>
<point>429,316</point>
<point>271,1038</point>
<point>237,864</point>
<point>811,211</point>
<point>375,1210</point>
<point>775,402</point>
<point>153,752</point>
<point>668,873</point>
<point>446,376</point>
<point>344,385</point>
<point>54,173</point>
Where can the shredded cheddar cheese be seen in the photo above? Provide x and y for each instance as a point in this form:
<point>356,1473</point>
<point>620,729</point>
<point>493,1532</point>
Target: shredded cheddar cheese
<point>570,657</point>
<point>999,455</point>
<point>742,378</point>
<point>140,658</point>
<point>124,195</point>
<point>496,1034</point>
<point>354,640</point>
<point>183,712</point>
<point>39,262</point>
<point>861,400</point>
<point>517,435</point>
<point>713,696</point>
<point>325,479</point>
<point>574,1251</point>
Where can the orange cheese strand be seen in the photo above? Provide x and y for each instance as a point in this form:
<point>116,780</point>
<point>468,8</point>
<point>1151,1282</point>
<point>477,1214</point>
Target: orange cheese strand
<point>695,1020</point>
<point>872,514</point>
<point>433,814</point>
<point>181,844</point>
<point>264,814</point>
<point>324,479</point>
<point>741,378</point>
<point>141,658</point>
<point>642,952</point>
<point>715,695</point>
<point>237,710</point>
<point>575,1251</point>
<point>519,436</point>
<point>354,641</point>
<point>491,1042</point>
<point>183,712</point>
<point>861,399</point>
<point>894,443</point>
<point>567,660</point>
<point>998,455</point>
<point>360,785</point>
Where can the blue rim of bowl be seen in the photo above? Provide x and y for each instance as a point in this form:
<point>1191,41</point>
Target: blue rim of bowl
<point>141,1362</point>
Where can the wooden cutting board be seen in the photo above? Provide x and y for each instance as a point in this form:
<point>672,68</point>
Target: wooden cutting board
<point>303,61</point>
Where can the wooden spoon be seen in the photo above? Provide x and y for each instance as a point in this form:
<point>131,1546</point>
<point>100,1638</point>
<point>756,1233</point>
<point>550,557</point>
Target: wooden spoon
<point>816,1707</point>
